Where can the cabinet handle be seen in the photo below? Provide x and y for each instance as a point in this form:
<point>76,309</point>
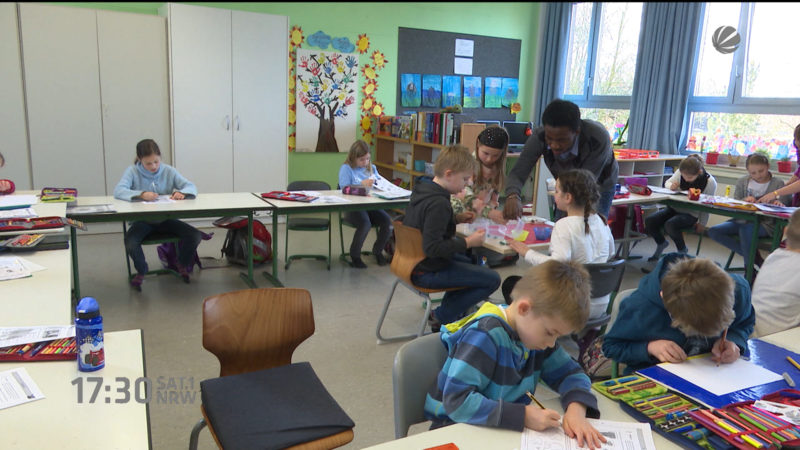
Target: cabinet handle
<point>236,121</point>
<point>228,122</point>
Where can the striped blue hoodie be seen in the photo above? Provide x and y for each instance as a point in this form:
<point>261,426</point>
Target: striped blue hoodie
<point>488,372</point>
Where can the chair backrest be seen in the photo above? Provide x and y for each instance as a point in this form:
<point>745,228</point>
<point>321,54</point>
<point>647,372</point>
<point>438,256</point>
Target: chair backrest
<point>606,277</point>
<point>416,367</point>
<point>408,251</point>
<point>256,329</point>
<point>615,306</point>
<point>308,185</point>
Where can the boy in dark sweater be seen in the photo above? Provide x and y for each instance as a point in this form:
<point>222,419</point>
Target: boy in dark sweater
<point>446,265</point>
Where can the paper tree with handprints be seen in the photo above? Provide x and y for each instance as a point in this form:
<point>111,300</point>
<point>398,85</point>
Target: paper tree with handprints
<point>325,89</point>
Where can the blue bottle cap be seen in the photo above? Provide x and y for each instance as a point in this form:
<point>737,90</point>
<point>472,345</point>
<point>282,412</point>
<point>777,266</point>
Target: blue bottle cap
<point>88,308</point>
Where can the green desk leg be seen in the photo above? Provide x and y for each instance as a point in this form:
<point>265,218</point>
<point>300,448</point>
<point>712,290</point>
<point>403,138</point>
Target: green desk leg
<point>73,245</point>
<point>248,278</point>
<point>751,259</point>
<point>273,278</point>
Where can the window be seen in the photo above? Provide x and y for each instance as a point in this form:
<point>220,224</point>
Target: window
<point>601,60</point>
<point>749,99</point>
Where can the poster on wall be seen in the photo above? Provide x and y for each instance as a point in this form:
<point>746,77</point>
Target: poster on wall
<point>451,91</point>
<point>411,86</point>
<point>326,98</point>
<point>472,92</point>
<point>510,91</point>
<point>493,93</point>
<point>432,91</point>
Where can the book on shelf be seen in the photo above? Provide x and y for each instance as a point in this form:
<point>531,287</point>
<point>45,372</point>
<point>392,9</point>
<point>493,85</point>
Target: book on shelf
<point>400,127</point>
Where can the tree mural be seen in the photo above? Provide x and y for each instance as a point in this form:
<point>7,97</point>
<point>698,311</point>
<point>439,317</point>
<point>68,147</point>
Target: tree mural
<point>325,88</point>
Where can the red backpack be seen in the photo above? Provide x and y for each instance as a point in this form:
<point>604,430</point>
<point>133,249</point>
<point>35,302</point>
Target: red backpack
<point>235,246</point>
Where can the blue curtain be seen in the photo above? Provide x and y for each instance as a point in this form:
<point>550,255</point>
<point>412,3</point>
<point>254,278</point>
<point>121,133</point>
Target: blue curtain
<point>553,53</point>
<point>663,75</point>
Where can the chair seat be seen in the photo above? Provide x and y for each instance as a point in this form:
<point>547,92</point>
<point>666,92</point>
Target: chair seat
<point>272,408</point>
<point>159,238</point>
<point>307,223</point>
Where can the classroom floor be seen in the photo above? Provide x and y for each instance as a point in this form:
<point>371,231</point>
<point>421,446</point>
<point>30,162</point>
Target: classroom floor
<point>343,350</point>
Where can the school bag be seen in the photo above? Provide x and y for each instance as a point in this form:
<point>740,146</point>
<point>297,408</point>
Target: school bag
<point>235,246</point>
<point>168,254</point>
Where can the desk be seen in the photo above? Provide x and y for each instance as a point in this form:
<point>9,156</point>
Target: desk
<point>499,245</point>
<point>285,207</point>
<point>59,421</point>
<point>204,205</point>
<point>788,339</point>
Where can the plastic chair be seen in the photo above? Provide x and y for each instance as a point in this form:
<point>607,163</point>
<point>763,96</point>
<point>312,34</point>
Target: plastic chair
<point>257,329</point>
<point>614,311</point>
<point>606,279</point>
<point>299,223</point>
<point>407,254</point>
<point>151,239</point>
<point>416,366</point>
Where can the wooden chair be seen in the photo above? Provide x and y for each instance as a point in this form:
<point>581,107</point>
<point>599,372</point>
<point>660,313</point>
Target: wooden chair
<point>300,223</point>
<point>257,329</point>
<point>407,254</point>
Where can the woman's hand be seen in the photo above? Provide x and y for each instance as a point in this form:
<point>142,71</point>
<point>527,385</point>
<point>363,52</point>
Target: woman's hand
<point>496,216</point>
<point>512,209</point>
<point>177,196</point>
<point>149,196</point>
<point>577,427</point>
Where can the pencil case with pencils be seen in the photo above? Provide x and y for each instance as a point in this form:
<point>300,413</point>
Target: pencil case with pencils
<point>57,350</point>
<point>355,189</point>
<point>39,223</point>
<point>747,427</point>
<point>52,194</point>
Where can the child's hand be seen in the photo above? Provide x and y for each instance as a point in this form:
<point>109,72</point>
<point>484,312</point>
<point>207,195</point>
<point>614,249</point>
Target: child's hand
<point>476,239</point>
<point>724,354</point>
<point>465,217</point>
<point>149,196</point>
<point>368,182</point>
<point>778,203</point>
<point>5,185</point>
<point>674,186</point>
<point>666,351</point>
<point>539,419</point>
<point>519,247</point>
<point>496,216</point>
<point>177,196</point>
<point>478,204</point>
<point>576,426</point>
<point>749,199</point>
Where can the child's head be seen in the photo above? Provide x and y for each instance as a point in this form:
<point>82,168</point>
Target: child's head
<point>577,188</point>
<point>691,168</point>
<point>490,151</point>
<point>758,167</point>
<point>698,296</point>
<point>148,153</point>
<point>359,156</point>
<point>792,231</point>
<point>551,300</point>
<point>454,168</point>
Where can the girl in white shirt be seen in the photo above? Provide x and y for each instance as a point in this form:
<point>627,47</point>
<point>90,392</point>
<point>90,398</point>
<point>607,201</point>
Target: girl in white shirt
<point>582,235</point>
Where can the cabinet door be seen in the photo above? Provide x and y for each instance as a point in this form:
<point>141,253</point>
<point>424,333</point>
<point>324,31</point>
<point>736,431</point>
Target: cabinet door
<point>200,64</point>
<point>133,82</point>
<point>62,91</point>
<point>260,74</point>
<point>12,105</point>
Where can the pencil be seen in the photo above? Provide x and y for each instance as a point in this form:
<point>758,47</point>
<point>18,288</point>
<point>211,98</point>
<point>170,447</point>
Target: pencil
<point>530,396</point>
<point>724,335</point>
<point>794,363</point>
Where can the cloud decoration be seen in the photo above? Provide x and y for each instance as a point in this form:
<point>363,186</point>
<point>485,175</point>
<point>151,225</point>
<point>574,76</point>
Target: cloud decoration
<point>343,45</point>
<point>319,39</point>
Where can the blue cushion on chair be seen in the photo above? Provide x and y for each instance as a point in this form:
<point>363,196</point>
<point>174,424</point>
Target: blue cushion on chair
<point>272,408</point>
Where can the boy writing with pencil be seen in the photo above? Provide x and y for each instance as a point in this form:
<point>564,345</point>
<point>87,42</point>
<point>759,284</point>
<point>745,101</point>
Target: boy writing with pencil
<point>684,307</point>
<point>498,354</point>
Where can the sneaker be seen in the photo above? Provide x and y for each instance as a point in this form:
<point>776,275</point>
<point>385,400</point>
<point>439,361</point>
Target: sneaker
<point>136,282</point>
<point>382,261</point>
<point>358,263</point>
<point>434,323</point>
<point>184,273</point>
<point>659,249</point>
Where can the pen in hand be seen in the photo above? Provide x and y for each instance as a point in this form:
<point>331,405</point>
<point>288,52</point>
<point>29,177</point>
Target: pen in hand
<point>722,344</point>
<point>530,396</point>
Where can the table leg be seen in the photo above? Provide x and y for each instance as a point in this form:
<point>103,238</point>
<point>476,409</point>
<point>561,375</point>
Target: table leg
<point>73,245</point>
<point>249,277</point>
<point>273,278</point>
<point>753,249</point>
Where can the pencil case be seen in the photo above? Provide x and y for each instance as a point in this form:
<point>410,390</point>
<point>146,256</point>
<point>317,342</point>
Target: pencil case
<point>355,189</point>
<point>38,223</point>
<point>58,350</point>
<point>745,427</point>
<point>52,194</point>
<point>23,241</point>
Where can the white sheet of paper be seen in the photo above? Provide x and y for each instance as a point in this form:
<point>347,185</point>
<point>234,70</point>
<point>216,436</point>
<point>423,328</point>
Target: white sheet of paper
<point>17,387</point>
<point>619,435</point>
<point>661,190</point>
<point>90,209</point>
<point>462,66</point>
<point>30,266</point>
<point>726,378</point>
<point>388,190</point>
<point>27,335</point>
<point>162,199</point>
<point>330,199</point>
<point>7,201</point>
<point>465,47</point>
<point>12,268</point>
<point>18,212</point>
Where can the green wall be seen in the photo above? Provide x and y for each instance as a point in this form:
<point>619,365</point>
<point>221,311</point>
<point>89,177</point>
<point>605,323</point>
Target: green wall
<point>379,21</point>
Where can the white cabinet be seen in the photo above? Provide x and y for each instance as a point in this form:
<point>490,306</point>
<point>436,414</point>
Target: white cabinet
<point>12,105</point>
<point>95,84</point>
<point>228,78</point>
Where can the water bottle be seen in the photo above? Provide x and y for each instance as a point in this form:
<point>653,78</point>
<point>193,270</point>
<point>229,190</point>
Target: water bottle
<point>89,335</point>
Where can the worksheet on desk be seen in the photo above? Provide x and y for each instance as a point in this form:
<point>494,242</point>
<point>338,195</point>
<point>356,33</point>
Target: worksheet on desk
<point>723,379</point>
<point>17,387</point>
<point>619,436</point>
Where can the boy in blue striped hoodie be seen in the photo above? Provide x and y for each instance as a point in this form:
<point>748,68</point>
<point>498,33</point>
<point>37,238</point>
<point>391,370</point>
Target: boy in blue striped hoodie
<point>498,354</point>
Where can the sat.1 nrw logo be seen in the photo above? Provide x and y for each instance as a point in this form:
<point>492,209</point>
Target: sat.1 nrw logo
<point>725,39</point>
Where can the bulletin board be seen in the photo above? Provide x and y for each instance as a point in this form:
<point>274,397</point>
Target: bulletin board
<point>432,52</point>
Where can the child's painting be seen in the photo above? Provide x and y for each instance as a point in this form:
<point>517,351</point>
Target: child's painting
<point>411,90</point>
<point>493,95</point>
<point>451,91</point>
<point>472,92</point>
<point>510,91</point>
<point>432,91</point>
<point>327,113</point>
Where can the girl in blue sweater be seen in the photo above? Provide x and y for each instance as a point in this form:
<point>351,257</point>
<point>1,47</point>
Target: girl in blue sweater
<point>145,181</point>
<point>357,169</point>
